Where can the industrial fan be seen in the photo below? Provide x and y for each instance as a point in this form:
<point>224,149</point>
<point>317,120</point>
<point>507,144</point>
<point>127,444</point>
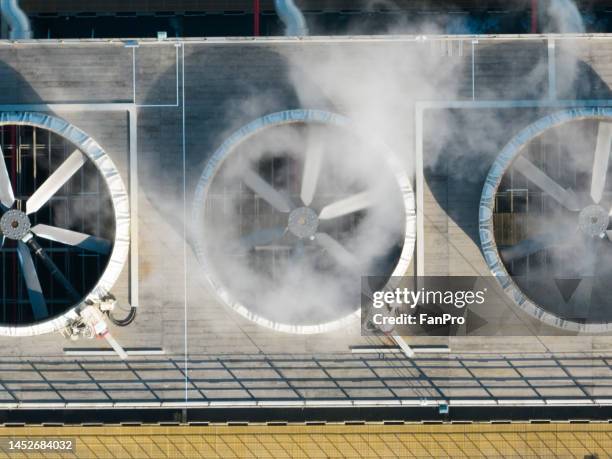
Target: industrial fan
<point>292,210</point>
<point>549,201</point>
<point>58,221</point>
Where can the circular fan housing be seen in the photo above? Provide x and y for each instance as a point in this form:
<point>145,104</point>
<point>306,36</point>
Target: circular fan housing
<point>545,219</point>
<point>64,223</point>
<point>292,210</point>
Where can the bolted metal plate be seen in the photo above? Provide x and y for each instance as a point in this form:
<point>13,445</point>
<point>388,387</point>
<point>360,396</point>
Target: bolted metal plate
<point>303,222</point>
<point>593,220</point>
<point>15,224</point>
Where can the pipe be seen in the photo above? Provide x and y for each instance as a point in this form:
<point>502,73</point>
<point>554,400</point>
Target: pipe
<point>534,16</point>
<point>126,321</point>
<point>17,20</point>
<point>256,13</point>
<point>406,349</point>
<point>115,345</point>
<point>292,17</point>
<point>51,266</point>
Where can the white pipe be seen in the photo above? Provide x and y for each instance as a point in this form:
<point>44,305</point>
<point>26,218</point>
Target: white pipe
<point>292,17</point>
<point>17,20</point>
<point>116,346</point>
<point>406,349</point>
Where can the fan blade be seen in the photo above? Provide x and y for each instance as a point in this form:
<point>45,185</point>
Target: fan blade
<point>298,251</point>
<point>7,198</point>
<point>589,256</point>
<point>39,306</point>
<point>35,247</point>
<point>266,192</point>
<point>262,237</point>
<point>528,246</point>
<point>566,198</point>
<point>310,176</point>
<point>81,240</point>
<point>601,160</point>
<point>347,206</point>
<point>55,181</point>
<point>337,250</point>
<point>586,266</point>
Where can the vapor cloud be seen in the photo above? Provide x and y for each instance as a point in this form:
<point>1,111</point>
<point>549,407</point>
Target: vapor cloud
<point>376,87</point>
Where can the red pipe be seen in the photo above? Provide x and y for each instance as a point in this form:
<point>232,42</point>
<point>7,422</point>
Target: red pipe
<point>534,16</point>
<point>256,13</point>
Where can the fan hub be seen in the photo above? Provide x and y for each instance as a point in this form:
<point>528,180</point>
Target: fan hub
<point>593,220</point>
<point>303,222</point>
<point>15,224</point>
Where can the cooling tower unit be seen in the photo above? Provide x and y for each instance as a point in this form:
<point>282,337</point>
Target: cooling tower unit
<point>64,223</point>
<point>292,210</point>
<point>545,219</point>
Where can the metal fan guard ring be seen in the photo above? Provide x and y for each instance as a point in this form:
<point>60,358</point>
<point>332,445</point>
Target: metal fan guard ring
<point>246,132</point>
<point>119,199</point>
<point>487,203</point>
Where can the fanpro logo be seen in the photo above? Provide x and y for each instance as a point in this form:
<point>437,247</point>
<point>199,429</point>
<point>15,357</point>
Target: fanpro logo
<point>412,298</point>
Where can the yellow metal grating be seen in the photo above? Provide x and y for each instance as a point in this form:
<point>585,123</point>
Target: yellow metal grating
<point>327,441</point>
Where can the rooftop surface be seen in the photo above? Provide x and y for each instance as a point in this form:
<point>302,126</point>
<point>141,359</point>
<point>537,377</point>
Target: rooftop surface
<point>184,98</point>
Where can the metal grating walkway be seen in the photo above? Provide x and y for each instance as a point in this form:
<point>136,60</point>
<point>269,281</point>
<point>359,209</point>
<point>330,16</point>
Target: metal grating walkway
<point>281,380</point>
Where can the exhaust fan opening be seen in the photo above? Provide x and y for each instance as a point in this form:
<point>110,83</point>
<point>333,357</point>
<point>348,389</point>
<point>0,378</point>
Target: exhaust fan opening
<point>546,219</point>
<point>292,210</point>
<point>64,223</point>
